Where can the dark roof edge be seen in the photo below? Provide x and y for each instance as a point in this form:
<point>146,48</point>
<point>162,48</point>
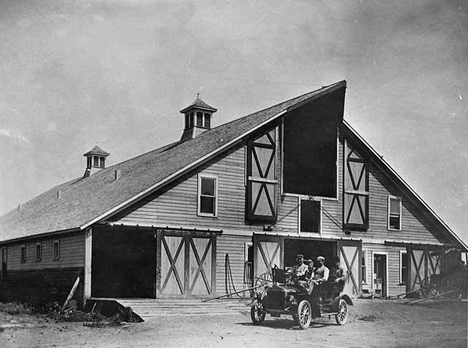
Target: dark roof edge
<point>170,178</point>
<point>41,235</point>
<point>405,184</point>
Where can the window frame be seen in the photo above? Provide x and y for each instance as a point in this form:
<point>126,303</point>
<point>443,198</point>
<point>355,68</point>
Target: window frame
<point>38,254</point>
<point>389,214</point>
<point>199,195</point>
<point>364,267</point>
<point>320,217</point>
<point>401,280</point>
<point>54,256</point>
<point>23,257</point>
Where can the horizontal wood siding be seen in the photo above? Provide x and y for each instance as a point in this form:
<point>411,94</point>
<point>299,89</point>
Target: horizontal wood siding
<point>40,287</point>
<point>393,267</point>
<point>234,247</point>
<point>72,251</point>
<point>176,206</point>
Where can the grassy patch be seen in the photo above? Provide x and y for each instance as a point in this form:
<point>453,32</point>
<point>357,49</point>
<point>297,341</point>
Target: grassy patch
<point>15,308</point>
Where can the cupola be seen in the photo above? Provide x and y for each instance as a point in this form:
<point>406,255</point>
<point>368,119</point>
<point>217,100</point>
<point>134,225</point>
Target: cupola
<point>197,118</point>
<point>95,160</point>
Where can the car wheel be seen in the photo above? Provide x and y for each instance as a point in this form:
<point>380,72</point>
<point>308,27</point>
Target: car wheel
<point>304,314</point>
<point>342,316</point>
<point>257,312</point>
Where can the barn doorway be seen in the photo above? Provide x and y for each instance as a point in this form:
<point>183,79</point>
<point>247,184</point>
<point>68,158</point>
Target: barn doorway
<point>124,263</point>
<point>379,278</point>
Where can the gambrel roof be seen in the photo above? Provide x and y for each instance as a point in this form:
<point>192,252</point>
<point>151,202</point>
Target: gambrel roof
<point>85,201</point>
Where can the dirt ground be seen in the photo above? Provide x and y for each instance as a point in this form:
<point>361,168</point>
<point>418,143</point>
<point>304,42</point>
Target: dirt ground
<point>372,323</point>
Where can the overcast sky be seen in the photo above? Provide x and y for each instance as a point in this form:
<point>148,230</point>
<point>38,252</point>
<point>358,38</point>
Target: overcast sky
<point>116,73</point>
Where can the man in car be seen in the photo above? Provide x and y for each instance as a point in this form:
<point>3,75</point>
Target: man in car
<point>321,272</point>
<point>300,268</point>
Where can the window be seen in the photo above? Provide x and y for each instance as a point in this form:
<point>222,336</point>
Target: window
<point>207,193</point>
<point>207,121</point>
<point>403,266</point>
<point>23,253</point>
<point>199,119</point>
<point>38,251</point>
<point>3,269</point>
<point>101,162</point>
<point>261,178</point>
<point>394,213</point>
<point>364,267</point>
<point>191,120</point>
<point>56,250</point>
<point>95,161</point>
<point>310,216</point>
<point>356,190</point>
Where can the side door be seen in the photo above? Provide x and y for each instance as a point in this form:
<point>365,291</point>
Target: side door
<point>349,253</point>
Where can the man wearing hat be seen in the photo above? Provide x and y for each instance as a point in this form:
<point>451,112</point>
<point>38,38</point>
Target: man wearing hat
<point>321,272</point>
<point>300,268</point>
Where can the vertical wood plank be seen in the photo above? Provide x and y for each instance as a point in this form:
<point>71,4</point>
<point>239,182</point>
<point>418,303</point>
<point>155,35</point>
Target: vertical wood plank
<point>88,263</point>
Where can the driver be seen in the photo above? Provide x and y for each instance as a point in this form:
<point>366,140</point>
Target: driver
<point>300,268</point>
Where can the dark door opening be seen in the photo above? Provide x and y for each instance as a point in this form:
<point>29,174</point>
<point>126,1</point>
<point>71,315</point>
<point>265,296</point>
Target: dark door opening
<point>124,263</point>
<point>310,249</point>
<point>380,275</point>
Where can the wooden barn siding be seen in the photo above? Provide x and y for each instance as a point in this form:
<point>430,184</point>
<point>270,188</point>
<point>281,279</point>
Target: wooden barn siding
<point>36,286</point>
<point>177,205</point>
<point>72,253</point>
<point>415,226</point>
<point>234,246</point>
<point>393,267</point>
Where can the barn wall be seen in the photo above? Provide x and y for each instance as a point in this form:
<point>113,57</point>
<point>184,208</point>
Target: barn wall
<point>235,249</point>
<point>47,280</point>
<point>177,205</point>
<point>393,267</point>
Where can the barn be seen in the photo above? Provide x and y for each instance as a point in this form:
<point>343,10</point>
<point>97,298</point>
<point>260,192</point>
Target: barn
<point>208,214</point>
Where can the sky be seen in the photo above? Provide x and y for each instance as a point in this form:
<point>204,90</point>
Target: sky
<point>74,74</point>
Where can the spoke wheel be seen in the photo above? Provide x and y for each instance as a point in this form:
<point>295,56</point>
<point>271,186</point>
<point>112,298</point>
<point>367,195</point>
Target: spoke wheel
<point>257,312</point>
<point>304,314</point>
<point>342,316</point>
<point>263,282</point>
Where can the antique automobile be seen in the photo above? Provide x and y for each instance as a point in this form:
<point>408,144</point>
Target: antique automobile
<point>280,294</point>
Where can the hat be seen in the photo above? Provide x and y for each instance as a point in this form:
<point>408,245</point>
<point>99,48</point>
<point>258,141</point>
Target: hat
<point>309,261</point>
<point>320,258</point>
<point>299,256</point>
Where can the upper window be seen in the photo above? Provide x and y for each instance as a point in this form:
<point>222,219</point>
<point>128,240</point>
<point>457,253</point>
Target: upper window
<point>38,251</point>
<point>356,190</point>
<point>56,250</point>
<point>23,254</point>
<point>261,178</point>
<point>199,119</point>
<point>310,216</point>
<point>394,213</point>
<point>207,195</point>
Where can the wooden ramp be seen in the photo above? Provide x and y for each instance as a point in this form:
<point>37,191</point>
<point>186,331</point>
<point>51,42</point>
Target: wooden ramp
<point>147,309</point>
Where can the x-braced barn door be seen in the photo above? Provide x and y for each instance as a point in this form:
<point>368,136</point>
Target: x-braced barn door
<point>422,264</point>
<point>186,265</point>
<point>350,258</point>
<point>268,252</point>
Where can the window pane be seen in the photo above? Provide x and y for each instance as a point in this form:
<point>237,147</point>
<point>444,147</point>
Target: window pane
<point>207,187</point>
<point>207,121</point>
<point>199,119</point>
<point>310,216</point>
<point>394,205</point>
<point>207,205</point>
<point>96,161</point>
<point>395,222</point>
